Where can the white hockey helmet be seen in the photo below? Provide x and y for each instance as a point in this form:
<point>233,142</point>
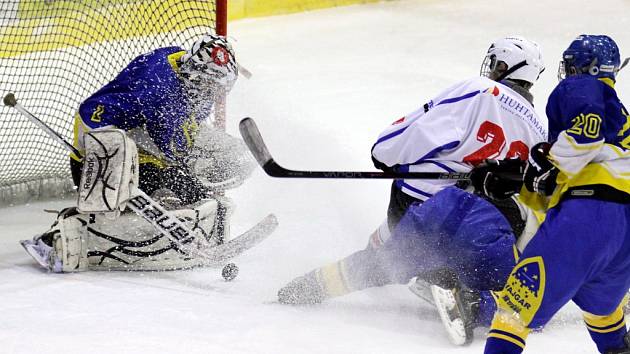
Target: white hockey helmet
<point>521,57</point>
<point>210,62</point>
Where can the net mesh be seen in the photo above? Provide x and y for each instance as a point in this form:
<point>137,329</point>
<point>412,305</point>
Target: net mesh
<point>54,54</point>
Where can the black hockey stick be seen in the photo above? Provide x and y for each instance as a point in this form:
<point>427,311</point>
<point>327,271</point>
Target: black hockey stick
<point>256,144</point>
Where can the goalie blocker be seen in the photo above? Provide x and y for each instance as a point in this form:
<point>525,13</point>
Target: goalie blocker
<point>99,234</point>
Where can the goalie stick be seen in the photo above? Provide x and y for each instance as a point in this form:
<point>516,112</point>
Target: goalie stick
<point>11,101</point>
<point>169,225</point>
<point>255,143</point>
<point>243,71</point>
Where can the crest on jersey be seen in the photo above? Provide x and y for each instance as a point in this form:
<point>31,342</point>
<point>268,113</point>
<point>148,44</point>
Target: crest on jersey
<point>524,290</point>
<point>220,56</point>
<point>492,91</point>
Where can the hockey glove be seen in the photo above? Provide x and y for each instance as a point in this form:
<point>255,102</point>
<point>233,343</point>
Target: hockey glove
<point>383,167</point>
<point>181,181</point>
<point>498,179</point>
<point>540,173</point>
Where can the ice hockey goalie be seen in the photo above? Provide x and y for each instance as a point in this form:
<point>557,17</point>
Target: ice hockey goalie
<point>116,226</point>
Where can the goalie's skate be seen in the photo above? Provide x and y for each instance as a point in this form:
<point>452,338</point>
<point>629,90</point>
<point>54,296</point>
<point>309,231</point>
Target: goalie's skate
<point>219,255</point>
<point>42,253</point>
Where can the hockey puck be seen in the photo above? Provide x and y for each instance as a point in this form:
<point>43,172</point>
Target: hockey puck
<point>229,272</point>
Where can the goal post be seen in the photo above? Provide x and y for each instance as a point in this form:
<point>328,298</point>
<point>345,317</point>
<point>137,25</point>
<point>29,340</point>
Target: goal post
<point>222,12</point>
<point>56,53</point>
<point>221,28</point>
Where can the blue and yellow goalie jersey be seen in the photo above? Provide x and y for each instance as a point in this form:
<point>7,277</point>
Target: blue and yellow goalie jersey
<point>148,95</point>
<point>590,131</point>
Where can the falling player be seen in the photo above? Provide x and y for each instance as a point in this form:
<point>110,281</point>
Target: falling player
<point>582,250</point>
<point>459,242</point>
<point>162,101</point>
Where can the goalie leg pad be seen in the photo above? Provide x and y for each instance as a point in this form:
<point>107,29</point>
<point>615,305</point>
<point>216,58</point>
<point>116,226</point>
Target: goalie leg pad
<point>64,247</point>
<point>79,242</point>
<point>132,243</point>
<point>110,171</point>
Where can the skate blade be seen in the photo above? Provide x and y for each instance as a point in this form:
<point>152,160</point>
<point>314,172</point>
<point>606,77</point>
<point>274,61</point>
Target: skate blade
<point>450,316</point>
<point>37,251</point>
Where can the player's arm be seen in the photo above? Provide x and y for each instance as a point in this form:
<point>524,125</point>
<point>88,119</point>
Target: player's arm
<point>104,109</point>
<point>98,111</point>
<point>575,135</point>
<point>412,139</point>
<point>576,124</point>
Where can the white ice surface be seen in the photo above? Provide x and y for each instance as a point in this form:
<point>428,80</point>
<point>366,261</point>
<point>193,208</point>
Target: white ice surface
<point>325,83</point>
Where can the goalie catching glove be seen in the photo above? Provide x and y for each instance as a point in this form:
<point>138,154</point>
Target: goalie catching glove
<point>219,160</point>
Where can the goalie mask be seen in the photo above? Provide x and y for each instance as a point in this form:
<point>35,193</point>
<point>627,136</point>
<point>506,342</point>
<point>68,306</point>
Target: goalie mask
<point>513,58</point>
<point>209,65</point>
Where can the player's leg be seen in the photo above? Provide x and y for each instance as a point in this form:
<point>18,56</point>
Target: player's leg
<point>600,296</point>
<point>565,253</point>
<point>99,234</point>
<point>608,331</point>
<point>418,246</point>
<point>399,202</point>
<point>358,271</point>
<point>475,244</point>
<point>362,269</point>
<point>63,247</point>
<point>80,242</point>
<point>454,230</point>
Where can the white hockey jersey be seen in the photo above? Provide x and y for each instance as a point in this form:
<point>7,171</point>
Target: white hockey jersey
<point>471,121</point>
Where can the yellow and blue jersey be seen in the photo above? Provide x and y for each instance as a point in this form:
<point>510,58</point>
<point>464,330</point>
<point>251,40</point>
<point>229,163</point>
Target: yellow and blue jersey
<point>590,131</point>
<point>580,252</point>
<point>147,94</point>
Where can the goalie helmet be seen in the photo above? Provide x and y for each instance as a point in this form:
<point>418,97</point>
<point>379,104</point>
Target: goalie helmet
<point>596,55</point>
<point>209,63</point>
<point>513,58</point>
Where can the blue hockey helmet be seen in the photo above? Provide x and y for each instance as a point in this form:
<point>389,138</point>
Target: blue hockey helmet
<point>596,55</point>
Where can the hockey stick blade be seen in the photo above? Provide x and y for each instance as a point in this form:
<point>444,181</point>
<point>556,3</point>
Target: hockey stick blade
<point>252,137</point>
<point>223,253</point>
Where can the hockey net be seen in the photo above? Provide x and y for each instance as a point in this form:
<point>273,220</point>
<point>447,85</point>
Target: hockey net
<point>54,54</point>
